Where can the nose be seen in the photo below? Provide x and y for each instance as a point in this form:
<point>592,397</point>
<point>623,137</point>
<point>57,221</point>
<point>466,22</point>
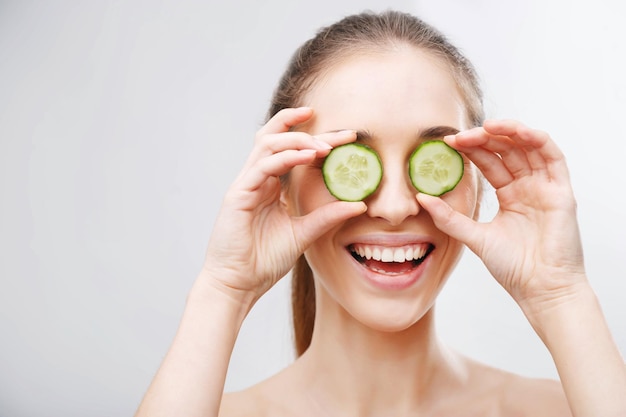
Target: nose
<point>394,200</point>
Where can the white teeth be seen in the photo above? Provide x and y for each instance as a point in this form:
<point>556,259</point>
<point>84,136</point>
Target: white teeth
<point>419,253</point>
<point>387,254</point>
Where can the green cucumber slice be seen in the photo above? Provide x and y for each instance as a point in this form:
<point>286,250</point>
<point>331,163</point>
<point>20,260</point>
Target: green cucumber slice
<point>352,171</point>
<point>435,168</point>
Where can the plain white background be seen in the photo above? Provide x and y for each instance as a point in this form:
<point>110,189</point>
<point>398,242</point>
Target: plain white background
<point>123,122</point>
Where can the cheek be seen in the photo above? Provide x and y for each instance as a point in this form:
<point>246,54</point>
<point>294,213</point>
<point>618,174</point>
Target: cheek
<point>464,198</point>
<point>306,191</point>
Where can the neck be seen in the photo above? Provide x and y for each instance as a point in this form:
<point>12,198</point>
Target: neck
<point>363,371</point>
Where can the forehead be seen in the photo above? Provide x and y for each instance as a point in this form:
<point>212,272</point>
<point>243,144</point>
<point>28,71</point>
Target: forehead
<point>405,88</point>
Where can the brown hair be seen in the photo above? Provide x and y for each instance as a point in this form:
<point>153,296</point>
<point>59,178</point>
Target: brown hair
<point>353,35</point>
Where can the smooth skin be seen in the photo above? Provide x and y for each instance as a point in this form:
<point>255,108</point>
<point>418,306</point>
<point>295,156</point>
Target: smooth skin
<point>375,351</point>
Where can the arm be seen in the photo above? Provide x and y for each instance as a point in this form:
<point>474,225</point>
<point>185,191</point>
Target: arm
<point>589,363</point>
<point>191,378</point>
<point>532,247</point>
<point>254,243</point>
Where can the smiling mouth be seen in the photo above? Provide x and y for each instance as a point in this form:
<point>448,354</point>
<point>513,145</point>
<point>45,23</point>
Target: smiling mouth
<point>391,260</point>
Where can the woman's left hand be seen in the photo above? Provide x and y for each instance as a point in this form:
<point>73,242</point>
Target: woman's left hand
<point>532,245</point>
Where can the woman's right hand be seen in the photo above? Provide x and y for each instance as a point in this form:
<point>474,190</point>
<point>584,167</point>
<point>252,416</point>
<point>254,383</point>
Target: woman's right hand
<point>256,241</point>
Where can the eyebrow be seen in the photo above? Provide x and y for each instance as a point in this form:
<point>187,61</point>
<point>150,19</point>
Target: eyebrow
<point>438,132</point>
<point>435,132</point>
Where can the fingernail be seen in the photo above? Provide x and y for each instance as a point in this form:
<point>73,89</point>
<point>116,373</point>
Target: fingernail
<point>323,145</point>
<point>347,131</point>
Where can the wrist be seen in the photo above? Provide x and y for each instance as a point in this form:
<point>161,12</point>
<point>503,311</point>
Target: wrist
<point>208,288</point>
<point>552,292</point>
<point>551,313</point>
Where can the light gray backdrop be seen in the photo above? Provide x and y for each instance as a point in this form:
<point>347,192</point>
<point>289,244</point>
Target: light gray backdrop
<point>123,122</point>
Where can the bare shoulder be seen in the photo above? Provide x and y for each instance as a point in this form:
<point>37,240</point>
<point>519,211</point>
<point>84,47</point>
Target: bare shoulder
<point>537,397</point>
<point>283,394</point>
<point>241,403</point>
<point>521,396</point>
<point>271,397</point>
<point>490,391</point>
<point>487,392</point>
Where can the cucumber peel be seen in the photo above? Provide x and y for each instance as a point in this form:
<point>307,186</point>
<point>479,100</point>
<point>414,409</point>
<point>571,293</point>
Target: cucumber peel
<point>352,171</point>
<point>435,168</point>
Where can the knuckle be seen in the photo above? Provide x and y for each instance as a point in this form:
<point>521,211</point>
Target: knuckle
<point>263,141</point>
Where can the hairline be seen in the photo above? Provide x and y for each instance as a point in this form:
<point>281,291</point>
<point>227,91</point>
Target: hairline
<point>365,48</point>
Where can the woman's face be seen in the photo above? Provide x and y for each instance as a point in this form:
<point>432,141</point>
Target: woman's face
<point>397,99</point>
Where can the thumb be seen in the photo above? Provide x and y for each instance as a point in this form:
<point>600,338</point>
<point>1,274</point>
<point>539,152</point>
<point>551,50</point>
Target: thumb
<point>313,225</point>
<point>451,222</point>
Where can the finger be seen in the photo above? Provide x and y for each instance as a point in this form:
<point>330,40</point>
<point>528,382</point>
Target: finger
<point>547,152</point>
<point>543,153</point>
<point>513,156</point>
<point>338,137</point>
<point>489,163</point>
<point>285,120</point>
<point>281,122</point>
<point>310,227</point>
<point>451,222</point>
<point>513,129</point>
<point>322,144</point>
<point>274,166</point>
<point>279,142</point>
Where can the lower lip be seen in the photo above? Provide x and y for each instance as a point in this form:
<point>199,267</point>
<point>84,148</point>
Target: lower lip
<point>393,282</point>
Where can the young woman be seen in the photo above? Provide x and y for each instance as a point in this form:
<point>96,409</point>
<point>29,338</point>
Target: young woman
<point>364,325</point>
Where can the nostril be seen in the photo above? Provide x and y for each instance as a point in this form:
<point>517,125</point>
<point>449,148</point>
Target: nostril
<point>394,201</point>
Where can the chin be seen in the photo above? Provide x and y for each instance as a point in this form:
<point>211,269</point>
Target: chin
<point>392,315</point>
